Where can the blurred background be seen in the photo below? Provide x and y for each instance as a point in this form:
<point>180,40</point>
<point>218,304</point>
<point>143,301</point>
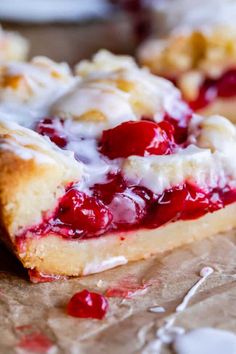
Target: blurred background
<point>74,29</point>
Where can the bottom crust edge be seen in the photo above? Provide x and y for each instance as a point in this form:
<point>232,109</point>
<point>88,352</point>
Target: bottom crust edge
<point>52,254</point>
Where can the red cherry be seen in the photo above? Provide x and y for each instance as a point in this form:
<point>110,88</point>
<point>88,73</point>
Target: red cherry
<point>182,202</point>
<point>128,205</point>
<point>226,85</point>
<point>140,138</point>
<point>196,203</point>
<point>207,94</point>
<point>167,207</point>
<point>216,200</point>
<point>105,191</point>
<point>87,215</point>
<point>227,195</point>
<point>180,126</point>
<point>86,304</point>
<point>53,128</point>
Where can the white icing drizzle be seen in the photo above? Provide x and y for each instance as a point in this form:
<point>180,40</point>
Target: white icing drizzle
<point>119,90</point>
<point>100,266</point>
<point>108,91</point>
<point>204,273</point>
<point>168,332</point>
<point>206,341</point>
<point>157,309</point>
<point>142,333</point>
<point>208,161</point>
<point>32,87</point>
<point>153,347</point>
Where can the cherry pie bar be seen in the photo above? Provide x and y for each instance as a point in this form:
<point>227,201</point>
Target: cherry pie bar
<point>106,166</point>
<point>202,63</point>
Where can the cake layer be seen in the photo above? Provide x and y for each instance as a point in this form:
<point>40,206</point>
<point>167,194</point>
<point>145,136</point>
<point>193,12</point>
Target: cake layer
<point>54,255</point>
<point>33,175</point>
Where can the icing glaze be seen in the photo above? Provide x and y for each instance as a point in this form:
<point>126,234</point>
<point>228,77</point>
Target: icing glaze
<point>206,341</point>
<point>204,273</point>
<point>106,95</point>
<point>208,162</point>
<point>157,309</point>
<point>114,89</point>
<point>168,333</point>
<point>104,265</point>
<point>27,90</point>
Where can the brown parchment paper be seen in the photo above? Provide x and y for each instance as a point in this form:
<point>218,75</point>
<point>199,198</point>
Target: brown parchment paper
<point>34,320</point>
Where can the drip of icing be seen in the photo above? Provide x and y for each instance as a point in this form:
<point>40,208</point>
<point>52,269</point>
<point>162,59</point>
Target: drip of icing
<point>108,263</point>
<point>142,333</point>
<point>157,309</point>
<point>204,273</point>
<point>153,347</point>
<point>168,333</point>
<point>206,341</point>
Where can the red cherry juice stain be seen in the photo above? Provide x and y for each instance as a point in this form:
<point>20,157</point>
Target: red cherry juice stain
<point>38,277</point>
<point>23,327</point>
<point>128,287</point>
<point>35,343</point>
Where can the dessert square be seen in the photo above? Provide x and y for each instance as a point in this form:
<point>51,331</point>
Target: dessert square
<point>106,166</point>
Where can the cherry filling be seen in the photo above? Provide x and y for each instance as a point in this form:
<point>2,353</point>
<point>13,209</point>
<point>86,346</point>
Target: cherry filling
<point>182,203</point>
<point>140,138</point>
<point>116,206</point>
<point>86,216</point>
<point>128,204</point>
<point>86,304</point>
<point>180,126</point>
<point>224,87</point>
<point>53,128</point>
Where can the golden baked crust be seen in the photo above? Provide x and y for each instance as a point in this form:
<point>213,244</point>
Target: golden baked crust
<point>33,82</point>
<point>112,89</point>
<point>34,173</point>
<point>210,50</point>
<point>190,55</point>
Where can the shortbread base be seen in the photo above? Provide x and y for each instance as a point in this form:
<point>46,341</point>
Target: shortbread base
<point>224,107</point>
<point>54,255</point>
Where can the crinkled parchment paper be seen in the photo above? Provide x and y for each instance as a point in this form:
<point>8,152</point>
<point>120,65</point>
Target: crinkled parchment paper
<point>34,320</point>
